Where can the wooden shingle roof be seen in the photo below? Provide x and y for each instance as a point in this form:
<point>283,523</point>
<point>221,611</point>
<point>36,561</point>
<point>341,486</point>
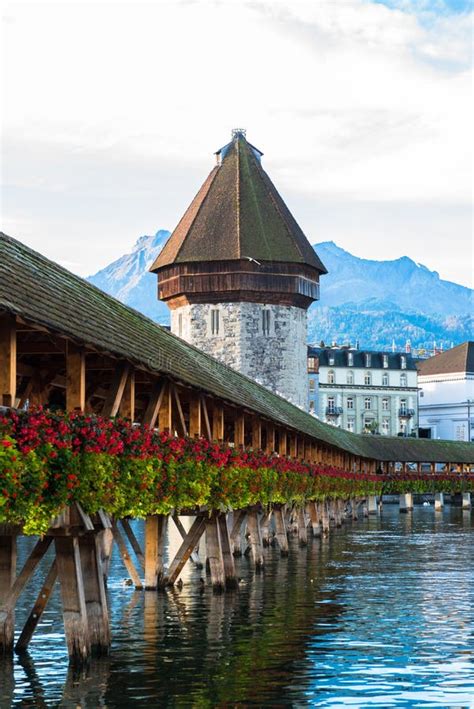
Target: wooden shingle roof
<point>46,294</point>
<point>238,214</point>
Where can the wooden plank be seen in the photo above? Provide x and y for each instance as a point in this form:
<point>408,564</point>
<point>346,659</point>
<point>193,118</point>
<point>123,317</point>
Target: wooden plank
<point>165,417</point>
<point>75,378</point>
<point>116,390</point>
<point>85,518</point>
<point>127,404</point>
<point>7,578</point>
<point>283,443</point>
<point>217,422</point>
<point>190,541</point>
<point>69,568</point>
<point>239,430</point>
<point>293,445</point>
<point>155,534</point>
<point>94,594</point>
<point>195,416</point>
<point>126,558</point>
<point>8,360</point>
<point>205,414</point>
<point>134,543</point>
<point>280,530</point>
<point>37,610</point>
<point>157,396</point>
<point>227,556</point>
<point>256,544</point>
<point>179,526</point>
<point>179,409</point>
<point>256,434</point>
<point>214,553</point>
<point>270,447</point>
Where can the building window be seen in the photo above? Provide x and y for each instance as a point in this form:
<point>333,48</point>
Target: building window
<point>350,424</point>
<point>350,359</point>
<point>350,377</point>
<point>331,360</point>
<point>180,325</point>
<point>385,427</point>
<point>312,384</point>
<point>403,380</point>
<point>368,360</point>
<point>368,378</point>
<point>385,405</point>
<point>311,407</point>
<point>367,403</point>
<point>350,402</point>
<point>460,432</point>
<point>331,376</point>
<point>403,362</point>
<point>330,404</point>
<point>385,379</point>
<point>403,406</point>
<point>266,321</point>
<point>385,361</point>
<point>215,322</point>
<point>311,364</point>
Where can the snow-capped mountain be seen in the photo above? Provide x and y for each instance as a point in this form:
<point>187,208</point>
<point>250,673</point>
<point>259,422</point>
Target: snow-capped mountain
<point>373,302</point>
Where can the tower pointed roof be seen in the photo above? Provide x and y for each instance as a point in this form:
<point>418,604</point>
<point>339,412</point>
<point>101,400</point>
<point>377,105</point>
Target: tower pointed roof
<point>238,214</point>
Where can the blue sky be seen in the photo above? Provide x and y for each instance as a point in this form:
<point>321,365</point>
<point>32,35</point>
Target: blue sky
<point>364,111</point>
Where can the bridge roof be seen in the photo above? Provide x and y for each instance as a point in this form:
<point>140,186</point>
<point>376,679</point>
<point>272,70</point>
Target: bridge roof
<point>44,293</point>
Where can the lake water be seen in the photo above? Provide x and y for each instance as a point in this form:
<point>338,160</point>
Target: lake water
<point>381,614</point>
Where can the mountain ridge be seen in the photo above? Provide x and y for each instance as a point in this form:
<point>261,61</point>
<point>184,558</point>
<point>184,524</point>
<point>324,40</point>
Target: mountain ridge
<point>372,302</point>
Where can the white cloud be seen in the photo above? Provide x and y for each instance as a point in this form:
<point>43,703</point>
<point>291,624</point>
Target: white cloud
<point>112,112</point>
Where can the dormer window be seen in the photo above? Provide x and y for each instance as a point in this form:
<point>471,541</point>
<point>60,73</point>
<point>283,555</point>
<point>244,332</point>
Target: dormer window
<point>368,359</point>
<point>385,361</point>
<point>403,362</point>
<point>350,359</point>
<point>331,360</point>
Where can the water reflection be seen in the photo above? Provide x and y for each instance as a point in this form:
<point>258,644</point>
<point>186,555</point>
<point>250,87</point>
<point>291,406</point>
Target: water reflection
<point>379,614</point>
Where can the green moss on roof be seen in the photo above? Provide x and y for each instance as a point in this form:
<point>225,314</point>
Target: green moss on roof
<point>44,293</point>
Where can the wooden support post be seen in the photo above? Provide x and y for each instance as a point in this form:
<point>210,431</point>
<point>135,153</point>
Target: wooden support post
<point>256,545</point>
<point>133,541</point>
<point>8,356</point>
<point>205,415</point>
<point>195,416</point>
<point>165,411</point>
<point>270,446</point>
<point>307,450</point>
<point>256,434</point>
<point>217,422</point>
<point>324,514</point>
<point>127,405</point>
<point>75,378</point>
<point>68,562</point>
<point>239,431</point>
<point>106,545</point>
<point>314,517</point>
<point>179,409</point>
<point>94,594</point>
<point>302,532</point>
<point>282,443</point>
<point>126,558</point>
<point>155,534</point>
<point>7,578</point>
<point>214,553</point>
<point>235,535</point>
<point>37,610</point>
<point>293,445</point>
<point>280,530</point>
<point>115,393</point>
<point>265,527</point>
<point>156,406</point>
<point>194,554</point>
<point>190,542</point>
<point>227,556</point>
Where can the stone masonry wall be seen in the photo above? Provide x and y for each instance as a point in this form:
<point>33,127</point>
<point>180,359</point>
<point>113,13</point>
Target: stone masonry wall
<point>276,359</point>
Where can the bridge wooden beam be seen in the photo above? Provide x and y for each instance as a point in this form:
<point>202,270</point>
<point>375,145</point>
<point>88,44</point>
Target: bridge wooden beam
<point>75,378</point>
<point>116,390</point>
<point>239,430</point>
<point>8,360</point>
<point>256,433</point>
<point>205,416</point>
<point>165,416</point>
<point>127,404</point>
<point>217,422</point>
<point>155,405</point>
<point>179,410</point>
<point>195,411</point>
<point>282,442</point>
<point>270,444</point>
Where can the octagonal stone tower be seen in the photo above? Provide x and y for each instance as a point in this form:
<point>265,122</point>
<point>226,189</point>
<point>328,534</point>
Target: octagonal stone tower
<point>239,274</point>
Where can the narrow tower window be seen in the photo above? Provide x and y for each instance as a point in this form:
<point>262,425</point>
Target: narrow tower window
<point>215,322</point>
<point>266,321</point>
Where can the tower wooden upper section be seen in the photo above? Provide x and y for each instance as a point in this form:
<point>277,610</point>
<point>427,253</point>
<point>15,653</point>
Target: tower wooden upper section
<point>238,241</point>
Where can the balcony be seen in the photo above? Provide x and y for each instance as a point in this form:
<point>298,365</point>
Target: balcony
<point>333,410</point>
<point>405,413</point>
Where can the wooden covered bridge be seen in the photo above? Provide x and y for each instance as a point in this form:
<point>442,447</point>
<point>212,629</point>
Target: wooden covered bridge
<point>64,344</point>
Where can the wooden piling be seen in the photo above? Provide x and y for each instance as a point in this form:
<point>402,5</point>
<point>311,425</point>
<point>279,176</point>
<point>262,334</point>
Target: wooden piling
<point>265,523</point>
<point>302,532</point>
<point>314,517</point>
<point>214,553</point>
<point>189,543</point>
<point>7,577</point>
<point>235,535</point>
<point>280,530</point>
<point>70,577</point>
<point>94,594</point>
<point>226,549</point>
<point>37,610</point>
<point>256,544</point>
<point>155,533</point>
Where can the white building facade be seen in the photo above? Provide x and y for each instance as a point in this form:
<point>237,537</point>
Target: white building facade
<point>364,391</point>
<point>447,394</point>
